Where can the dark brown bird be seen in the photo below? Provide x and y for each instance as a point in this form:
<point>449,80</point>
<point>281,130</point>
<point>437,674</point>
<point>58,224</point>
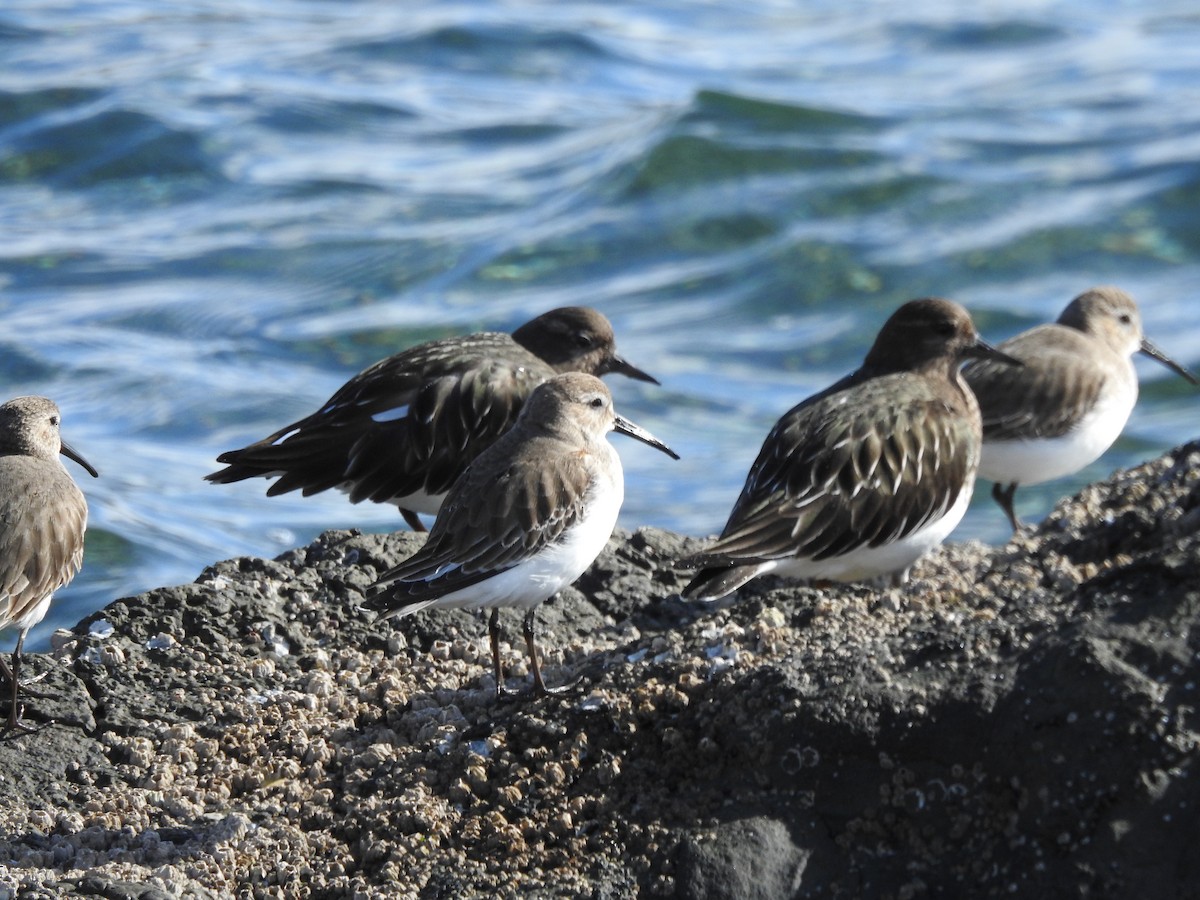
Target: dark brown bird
<point>403,430</point>
<point>43,516</point>
<point>862,479</point>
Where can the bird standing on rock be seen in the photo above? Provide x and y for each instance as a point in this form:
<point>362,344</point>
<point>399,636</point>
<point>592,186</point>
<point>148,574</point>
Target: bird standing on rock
<point>1069,401</point>
<point>404,429</point>
<point>526,518</point>
<point>43,516</point>
<point>865,477</point>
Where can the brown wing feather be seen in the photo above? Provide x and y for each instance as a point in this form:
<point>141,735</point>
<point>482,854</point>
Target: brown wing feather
<point>495,517</point>
<point>450,422</point>
<point>1040,399</point>
<point>830,479</point>
<point>457,396</point>
<point>41,533</point>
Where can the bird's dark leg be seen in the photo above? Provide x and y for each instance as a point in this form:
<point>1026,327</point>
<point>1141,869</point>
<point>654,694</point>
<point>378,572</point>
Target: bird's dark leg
<point>502,693</point>
<point>413,520</point>
<point>14,675</point>
<point>494,635</point>
<point>1004,495</point>
<point>539,685</point>
<point>13,712</point>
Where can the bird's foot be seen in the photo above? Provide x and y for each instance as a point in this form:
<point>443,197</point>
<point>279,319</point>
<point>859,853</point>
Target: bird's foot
<point>24,683</point>
<point>505,695</point>
<point>15,723</point>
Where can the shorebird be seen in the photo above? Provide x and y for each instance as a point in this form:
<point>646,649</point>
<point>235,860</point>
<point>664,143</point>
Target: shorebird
<point>43,516</point>
<point>402,430</point>
<point>862,479</point>
<point>1069,401</point>
<point>526,518</point>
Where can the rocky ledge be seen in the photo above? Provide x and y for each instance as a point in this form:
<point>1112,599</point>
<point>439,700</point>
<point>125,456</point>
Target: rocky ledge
<point>1016,721</point>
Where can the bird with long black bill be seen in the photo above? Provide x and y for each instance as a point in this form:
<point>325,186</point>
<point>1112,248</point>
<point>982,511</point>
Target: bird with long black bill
<point>862,479</point>
<point>526,518</point>
<point>43,517</point>
<point>1071,398</point>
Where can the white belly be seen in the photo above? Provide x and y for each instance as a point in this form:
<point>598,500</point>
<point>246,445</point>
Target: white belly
<point>420,502</point>
<point>1035,461</point>
<point>544,574</point>
<point>30,617</point>
<point>872,562</point>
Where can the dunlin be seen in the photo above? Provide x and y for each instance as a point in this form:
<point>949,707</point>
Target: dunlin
<point>862,479</point>
<point>1069,401</point>
<point>404,429</point>
<point>526,518</point>
<point>42,520</point>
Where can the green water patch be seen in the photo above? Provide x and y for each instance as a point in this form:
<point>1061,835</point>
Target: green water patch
<point>760,115</point>
<point>809,274</point>
<point>319,188</point>
<point>686,160</point>
<point>871,196</point>
<point>20,106</point>
<point>1170,216</point>
<point>105,549</point>
<point>715,233</point>
<point>643,235</point>
<point>114,145</point>
<point>489,137</point>
<point>725,136</point>
<point>1110,252</point>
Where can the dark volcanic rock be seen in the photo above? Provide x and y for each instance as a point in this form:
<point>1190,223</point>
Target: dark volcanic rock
<point>746,859</point>
<point>1016,721</point>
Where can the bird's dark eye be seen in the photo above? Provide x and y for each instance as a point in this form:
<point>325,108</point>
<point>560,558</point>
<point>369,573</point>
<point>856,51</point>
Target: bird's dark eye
<point>1125,318</point>
<point>597,402</point>
<point>584,339</point>
<point>54,421</point>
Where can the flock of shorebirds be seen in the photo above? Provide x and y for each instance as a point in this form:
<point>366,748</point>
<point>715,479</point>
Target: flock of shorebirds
<point>503,438</point>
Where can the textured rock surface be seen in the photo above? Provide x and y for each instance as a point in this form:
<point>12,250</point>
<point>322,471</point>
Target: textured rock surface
<point>1017,720</point>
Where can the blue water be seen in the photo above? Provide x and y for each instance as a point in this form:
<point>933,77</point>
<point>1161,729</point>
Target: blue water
<point>212,214</point>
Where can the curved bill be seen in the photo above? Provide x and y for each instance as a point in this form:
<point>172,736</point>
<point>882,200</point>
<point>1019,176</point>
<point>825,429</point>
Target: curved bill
<point>69,452</point>
<point>623,425</point>
<point>1154,353</point>
<point>628,369</point>
<point>981,349</point>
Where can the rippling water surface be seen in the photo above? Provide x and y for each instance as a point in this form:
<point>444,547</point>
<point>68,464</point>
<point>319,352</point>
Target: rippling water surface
<point>213,214</point>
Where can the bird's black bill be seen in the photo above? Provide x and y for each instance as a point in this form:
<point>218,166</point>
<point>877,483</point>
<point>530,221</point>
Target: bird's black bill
<point>69,452</point>
<point>629,370</point>
<point>981,349</point>
<point>623,425</point>
<point>1154,353</point>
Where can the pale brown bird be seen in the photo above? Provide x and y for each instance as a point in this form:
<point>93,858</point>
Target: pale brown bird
<point>1069,401</point>
<point>528,516</point>
<point>43,516</point>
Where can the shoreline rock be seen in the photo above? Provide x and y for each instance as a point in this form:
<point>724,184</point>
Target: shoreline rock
<point>1018,720</point>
